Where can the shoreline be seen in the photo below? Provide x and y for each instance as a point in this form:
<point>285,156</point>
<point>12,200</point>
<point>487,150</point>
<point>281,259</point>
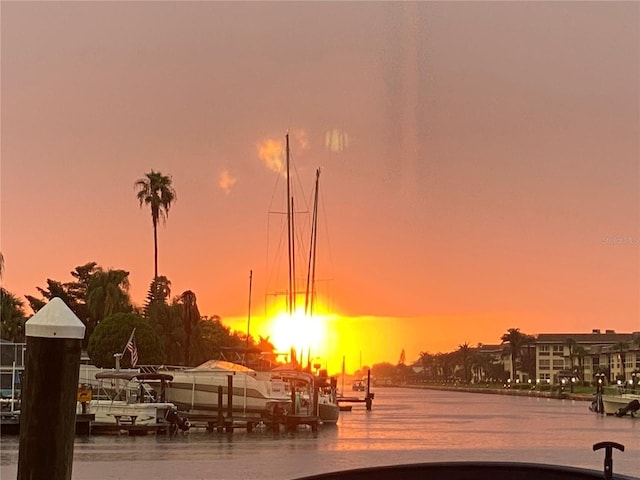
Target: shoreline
<point>507,391</point>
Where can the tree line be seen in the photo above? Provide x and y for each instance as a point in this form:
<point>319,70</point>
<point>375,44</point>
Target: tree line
<point>469,364</point>
<point>168,329</point>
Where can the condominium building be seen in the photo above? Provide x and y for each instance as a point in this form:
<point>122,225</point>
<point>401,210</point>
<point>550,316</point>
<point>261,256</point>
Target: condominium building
<point>579,356</point>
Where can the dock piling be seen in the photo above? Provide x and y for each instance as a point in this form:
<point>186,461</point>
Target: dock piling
<point>48,411</point>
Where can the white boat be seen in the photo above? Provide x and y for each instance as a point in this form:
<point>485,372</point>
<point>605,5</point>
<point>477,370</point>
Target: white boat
<point>204,390</point>
<point>328,407</point>
<point>129,400</point>
<point>621,403</point>
<point>358,386</point>
<point>318,394</point>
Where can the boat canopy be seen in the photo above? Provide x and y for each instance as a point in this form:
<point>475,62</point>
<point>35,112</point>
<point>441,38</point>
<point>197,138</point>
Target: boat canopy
<point>222,366</point>
<point>142,377</point>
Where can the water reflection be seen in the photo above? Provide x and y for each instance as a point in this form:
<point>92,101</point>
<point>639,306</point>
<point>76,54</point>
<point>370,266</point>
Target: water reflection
<point>405,426</point>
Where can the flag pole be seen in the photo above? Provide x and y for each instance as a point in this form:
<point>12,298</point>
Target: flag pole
<point>125,345</point>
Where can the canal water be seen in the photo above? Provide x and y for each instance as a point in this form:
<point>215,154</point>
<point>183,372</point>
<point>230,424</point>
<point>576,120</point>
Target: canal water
<point>404,426</point>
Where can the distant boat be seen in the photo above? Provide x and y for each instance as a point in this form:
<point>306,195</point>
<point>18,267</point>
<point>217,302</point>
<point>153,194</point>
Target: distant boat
<point>358,386</point>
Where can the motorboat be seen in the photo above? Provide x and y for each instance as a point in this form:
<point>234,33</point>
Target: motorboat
<point>328,407</point>
<point>205,390</point>
<point>358,386</point>
<point>621,402</point>
<point>129,400</point>
<point>319,391</point>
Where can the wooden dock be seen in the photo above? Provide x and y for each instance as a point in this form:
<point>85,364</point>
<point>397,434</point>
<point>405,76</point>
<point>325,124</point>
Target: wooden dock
<point>10,423</point>
<point>367,400</point>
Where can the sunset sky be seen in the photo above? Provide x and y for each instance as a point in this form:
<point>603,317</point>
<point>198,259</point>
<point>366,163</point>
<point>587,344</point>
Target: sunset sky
<point>480,161</point>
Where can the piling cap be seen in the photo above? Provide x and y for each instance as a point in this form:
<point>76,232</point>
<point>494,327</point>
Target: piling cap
<point>55,320</point>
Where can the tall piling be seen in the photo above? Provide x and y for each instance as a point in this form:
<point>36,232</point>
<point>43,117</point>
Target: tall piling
<point>229,420</point>
<point>48,409</point>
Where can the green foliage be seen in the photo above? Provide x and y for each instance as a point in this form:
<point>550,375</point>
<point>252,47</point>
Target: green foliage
<point>209,336</point>
<point>13,317</point>
<point>73,294</point>
<point>111,337</point>
<point>159,292</point>
<point>108,293</point>
<point>383,370</point>
<point>166,321</point>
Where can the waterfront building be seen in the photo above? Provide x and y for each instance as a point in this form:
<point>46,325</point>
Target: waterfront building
<point>578,357</point>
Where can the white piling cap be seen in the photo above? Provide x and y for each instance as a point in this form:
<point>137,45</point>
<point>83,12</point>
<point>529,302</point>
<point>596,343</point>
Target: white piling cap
<point>55,320</point>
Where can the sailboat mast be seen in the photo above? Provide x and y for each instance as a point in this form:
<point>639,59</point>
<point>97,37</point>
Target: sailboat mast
<point>290,232</point>
<point>311,271</point>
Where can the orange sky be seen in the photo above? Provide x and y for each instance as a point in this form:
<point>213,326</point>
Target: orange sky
<point>488,177</point>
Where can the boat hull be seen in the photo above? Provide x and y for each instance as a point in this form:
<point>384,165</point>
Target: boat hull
<point>209,393</point>
<point>613,403</point>
<point>111,416</point>
<point>328,412</point>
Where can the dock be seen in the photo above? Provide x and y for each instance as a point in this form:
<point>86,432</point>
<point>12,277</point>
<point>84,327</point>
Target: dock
<point>367,400</point>
<point>10,423</point>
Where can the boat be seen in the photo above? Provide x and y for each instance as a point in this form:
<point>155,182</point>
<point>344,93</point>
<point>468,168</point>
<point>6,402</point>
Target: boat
<point>204,390</point>
<point>358,386</point>
<point>318,392</point>
<point>621,403</point>
<point>130,401</point>
<point>328,407</point>
<point>471,470</point>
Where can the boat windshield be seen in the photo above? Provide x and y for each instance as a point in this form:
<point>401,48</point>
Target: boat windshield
<point>221,365</point>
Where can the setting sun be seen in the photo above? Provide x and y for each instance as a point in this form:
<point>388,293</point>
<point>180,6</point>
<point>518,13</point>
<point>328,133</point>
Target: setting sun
<point>300,331</point>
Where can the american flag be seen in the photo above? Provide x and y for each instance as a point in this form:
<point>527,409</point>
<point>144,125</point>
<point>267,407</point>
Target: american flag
<point>131,346</point>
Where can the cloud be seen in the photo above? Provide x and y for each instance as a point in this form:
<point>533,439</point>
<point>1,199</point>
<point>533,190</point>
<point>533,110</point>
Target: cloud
<point>271,153</point>
<point>226,181</point>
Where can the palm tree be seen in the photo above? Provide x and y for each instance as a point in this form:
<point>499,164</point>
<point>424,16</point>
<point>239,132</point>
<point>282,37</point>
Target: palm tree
<point>621,347</point>
<point>515,339</point>
<point>580,352</point>
<point>464,351</point>
<point>572,345</point>
<point>190,317</point>
<point>1,264</point>
<point>156,191</point>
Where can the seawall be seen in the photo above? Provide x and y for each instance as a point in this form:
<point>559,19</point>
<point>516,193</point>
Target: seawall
<point>508,391</point>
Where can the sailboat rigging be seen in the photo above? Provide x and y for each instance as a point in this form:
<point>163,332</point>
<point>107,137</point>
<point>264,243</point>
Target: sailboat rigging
<point>311,270</point>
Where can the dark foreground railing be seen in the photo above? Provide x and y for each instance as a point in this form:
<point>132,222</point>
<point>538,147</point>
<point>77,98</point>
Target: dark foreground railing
<point>482,470</point>
<point>467,471</point>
